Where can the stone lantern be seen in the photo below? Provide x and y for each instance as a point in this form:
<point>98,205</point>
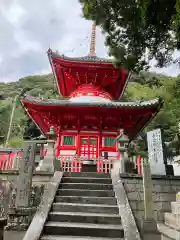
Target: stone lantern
<point>41,145</point>
<point>51,135</point>
<point>123,141</point>
<point>47,164</point>
<point>41,140</point>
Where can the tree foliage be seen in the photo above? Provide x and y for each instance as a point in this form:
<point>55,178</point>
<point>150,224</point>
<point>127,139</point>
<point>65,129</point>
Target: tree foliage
<point>137,31</point>
<point>4,119</point>
<point>30,130</point>
<point>22,126</point>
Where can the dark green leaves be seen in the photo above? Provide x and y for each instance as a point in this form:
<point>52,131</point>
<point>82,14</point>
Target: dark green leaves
<point>144,29</point>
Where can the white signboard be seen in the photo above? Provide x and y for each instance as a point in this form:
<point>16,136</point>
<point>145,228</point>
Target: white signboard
<point>155,152</point>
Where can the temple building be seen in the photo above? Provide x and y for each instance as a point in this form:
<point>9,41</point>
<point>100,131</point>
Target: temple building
<point>87,121</point>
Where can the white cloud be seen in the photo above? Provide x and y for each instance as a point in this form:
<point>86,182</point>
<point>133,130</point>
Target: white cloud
<point>29,28</point>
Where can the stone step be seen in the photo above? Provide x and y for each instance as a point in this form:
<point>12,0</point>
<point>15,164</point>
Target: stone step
<point>167,232</point>
<point>83,192</point>
<point>86,180</point>
<point>58,237</point>
<point>82,229</point>
<point>87,174</point>
<point>166,238</point>
<point>90,200</point>
<point>172,220</point>
<point>77,207</point>
<point>175,207</point>
<point>89,186</point>
<point>84,217</point>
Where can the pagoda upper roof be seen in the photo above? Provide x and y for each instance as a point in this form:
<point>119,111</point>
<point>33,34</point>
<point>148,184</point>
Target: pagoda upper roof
<point>87,58</point>
<point>131,116</point>
<point>70,73</point>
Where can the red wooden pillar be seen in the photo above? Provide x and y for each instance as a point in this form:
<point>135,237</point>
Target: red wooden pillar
<point>58,144</point>
<point>99,145</point>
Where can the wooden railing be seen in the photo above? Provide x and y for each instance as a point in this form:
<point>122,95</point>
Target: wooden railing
<point>69,163</point>
<point>7,160</point>
<point>105,165</point>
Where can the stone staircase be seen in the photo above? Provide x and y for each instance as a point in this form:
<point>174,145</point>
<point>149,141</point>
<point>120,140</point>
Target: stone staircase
<point>170,230</point>
<point>84,208</point>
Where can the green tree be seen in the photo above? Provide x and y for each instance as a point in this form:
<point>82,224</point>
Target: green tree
<point>4,120</point>
<point>137,31</point>
<point>15,142</point>
<point>30,130</point>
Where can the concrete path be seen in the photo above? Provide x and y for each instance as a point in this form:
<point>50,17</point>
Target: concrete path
<point>13,235</point>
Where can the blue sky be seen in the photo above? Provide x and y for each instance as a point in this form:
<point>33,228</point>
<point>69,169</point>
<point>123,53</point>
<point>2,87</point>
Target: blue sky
<point>29,28</point>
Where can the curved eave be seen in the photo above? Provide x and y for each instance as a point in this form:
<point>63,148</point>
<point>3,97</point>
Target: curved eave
<point>85,59</point>
<point>113,104</point>
<point>30,116</point>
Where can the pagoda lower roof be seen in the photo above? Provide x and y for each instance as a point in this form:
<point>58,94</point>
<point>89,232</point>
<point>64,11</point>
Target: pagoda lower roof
<point>112,104</point>
<point>131,116</point>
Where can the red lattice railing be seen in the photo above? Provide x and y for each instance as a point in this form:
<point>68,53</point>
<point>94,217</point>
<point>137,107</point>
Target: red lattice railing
<point>74,164</point>
<point>7,160</point>
<point>69,163</point>
<point>105,165</point>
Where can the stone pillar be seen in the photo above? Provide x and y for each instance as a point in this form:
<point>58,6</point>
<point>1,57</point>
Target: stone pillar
<point>16,162</point>
<point>3,223</point>
<point>147,187</point>
<point>20,211</point>
<point>47,164</point>
<point>24,183</point>
<point>25,199</point>
<point>122,147</point>
<point>149,225</point>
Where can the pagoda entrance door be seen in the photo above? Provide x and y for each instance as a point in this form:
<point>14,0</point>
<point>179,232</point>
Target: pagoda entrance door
<point>89,147</point>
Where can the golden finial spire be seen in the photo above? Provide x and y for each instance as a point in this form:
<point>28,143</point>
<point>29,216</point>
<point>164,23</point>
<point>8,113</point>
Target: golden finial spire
<point>92,52</point>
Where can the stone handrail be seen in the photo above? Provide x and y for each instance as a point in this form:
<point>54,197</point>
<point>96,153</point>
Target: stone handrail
<point>3,222</point>
<point>128,221</point>
<point>36,227</point>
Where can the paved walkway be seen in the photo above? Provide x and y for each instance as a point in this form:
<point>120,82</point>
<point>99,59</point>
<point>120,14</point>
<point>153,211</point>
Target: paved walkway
<point>13,235</point>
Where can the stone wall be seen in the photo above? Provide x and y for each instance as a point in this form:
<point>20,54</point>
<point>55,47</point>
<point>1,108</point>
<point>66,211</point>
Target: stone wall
<point>164,192</point>
<point>8,183</point>
<point>5,193</point>
<point>38,176</point>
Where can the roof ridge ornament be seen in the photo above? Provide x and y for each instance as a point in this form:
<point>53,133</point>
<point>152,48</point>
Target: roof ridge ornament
<point>92,52</point>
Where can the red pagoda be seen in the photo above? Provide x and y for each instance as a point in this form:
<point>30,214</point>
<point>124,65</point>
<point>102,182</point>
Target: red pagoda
<point>89,118</point>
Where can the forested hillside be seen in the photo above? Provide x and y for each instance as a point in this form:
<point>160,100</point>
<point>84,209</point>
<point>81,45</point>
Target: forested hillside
<point>144,86</point>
